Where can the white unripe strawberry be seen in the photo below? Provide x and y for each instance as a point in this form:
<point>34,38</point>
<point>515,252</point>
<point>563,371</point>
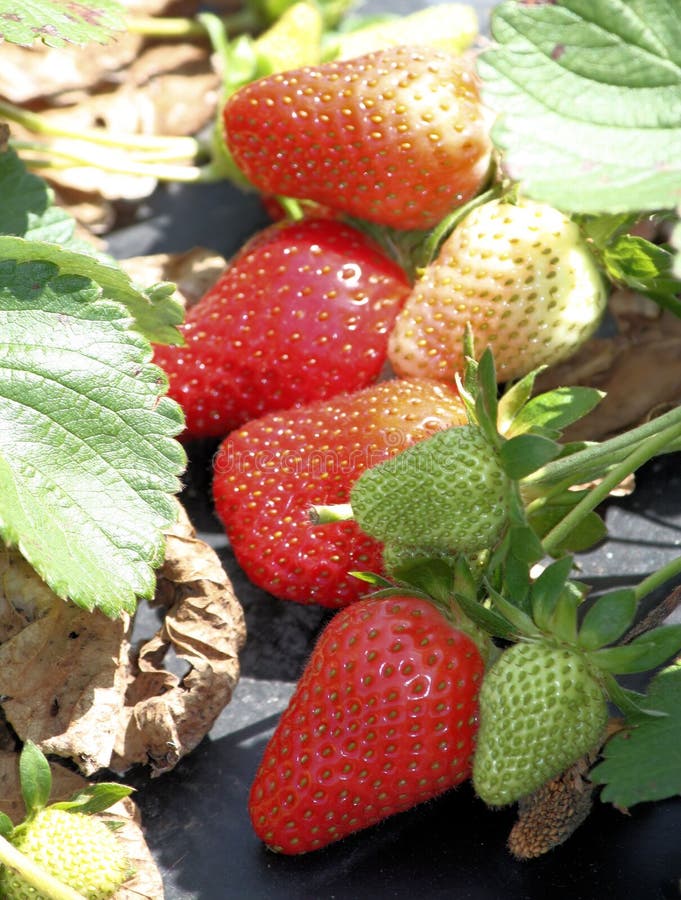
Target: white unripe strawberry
<point>523,277</point>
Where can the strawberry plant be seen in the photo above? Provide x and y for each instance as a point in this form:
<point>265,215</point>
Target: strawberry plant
<point>61,851</point>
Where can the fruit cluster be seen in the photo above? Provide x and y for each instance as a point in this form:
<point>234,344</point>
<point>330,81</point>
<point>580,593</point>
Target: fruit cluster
<point>351,360</point>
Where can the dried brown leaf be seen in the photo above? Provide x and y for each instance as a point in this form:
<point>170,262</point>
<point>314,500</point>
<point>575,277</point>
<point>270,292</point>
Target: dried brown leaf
<point>146,882</point>
<point>639,368</point>
<point>166,715</point>
<point>70,682</point>
<point>61,675</point>
<point>194,271</point>
<point>35,75</point>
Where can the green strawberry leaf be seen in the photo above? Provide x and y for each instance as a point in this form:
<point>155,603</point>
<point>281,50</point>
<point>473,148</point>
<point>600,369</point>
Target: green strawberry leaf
<point>608,619</point>
<point>95,798</point>
<point>156,313</point>
<point>6,825</point>
<point>588,531</point>
<point>548,414</point>
<point>645,652</point>
<point>513,401</point>
<point>644,763</point>
<point>88,460</point>
<point>32,227</point>
<point>35,778</point>
<point>547,589</point>
<point>526,453</point>
<point>58,22</point>
<point>645,267</point>
<point>588,97</point>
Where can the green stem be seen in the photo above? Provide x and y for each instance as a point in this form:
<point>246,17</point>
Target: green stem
<point>38,878</point>
<point>184,147</point>
<point>597,459</point>
<point>324,514</point>
<point>641,454</point>
<point>162,172</point>
<point>658,578</point>
<point>189,29</point>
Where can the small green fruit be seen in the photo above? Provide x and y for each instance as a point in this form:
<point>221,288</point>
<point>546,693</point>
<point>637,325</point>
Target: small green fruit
<point>78,849</point>
<point>541,709</point>
<point>447,493</point>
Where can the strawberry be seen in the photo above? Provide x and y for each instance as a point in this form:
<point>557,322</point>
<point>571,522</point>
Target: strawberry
<point>383,718</point>
<point>302,313</point>
<point>397,137</point>
<point>541,709</point>
<point>524,279</point>
<point>78,849</point>
<point>448,493</point>
<point>268,474</point>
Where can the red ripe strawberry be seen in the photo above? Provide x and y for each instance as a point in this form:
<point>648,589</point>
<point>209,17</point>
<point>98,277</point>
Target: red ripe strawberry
<point>383,718</point>
<point>396,137</point>
<point>302,313</point>
<point>268,474</point>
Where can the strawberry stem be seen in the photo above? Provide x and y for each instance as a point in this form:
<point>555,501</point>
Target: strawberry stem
<point>183,147</point>
<point>324,514</point>
<point>188,174</point>
<point>189,29</point>
<point>641,453</point>
<point>596,459</point>
<point>45,883</point>
<point>658,578</point>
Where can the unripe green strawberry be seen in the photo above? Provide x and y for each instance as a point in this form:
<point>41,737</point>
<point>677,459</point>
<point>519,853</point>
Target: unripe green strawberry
<point>78,849</point>
<point>448,492</point>
<point>541,709</point>
<point>524,279</point>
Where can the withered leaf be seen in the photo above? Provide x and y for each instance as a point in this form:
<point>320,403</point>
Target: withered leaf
<point>146,882</point>
<point>166,715</point>
<point>194,271</point>
<point>61,668</point>
<point>70,682</point>
<point>639,368</point>
<point>38,73</point>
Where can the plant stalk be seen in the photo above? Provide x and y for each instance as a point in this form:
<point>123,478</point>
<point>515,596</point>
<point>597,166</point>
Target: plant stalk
<point>186,147</point>
<point>597,459</point>
<point>642,452</point>
<point>658,578</point>
<point>37,877</point>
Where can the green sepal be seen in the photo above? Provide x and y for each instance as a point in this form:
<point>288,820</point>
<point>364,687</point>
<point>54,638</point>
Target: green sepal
<point>524,544</point>
<point>563,621</point>
<point>646,267</point>
<point>94,798</point>
<point>519,619</point>
<point>548,414</point>
<point>526,453</point>
<point>645,652</point>
<point>6,825</point>
<point>516,575</point>
<point>489,620</point>
<point>630,703</point>
<point>546,591</point>
<point>608,619</point>
<point>486,403</point>
<point>513,400</point>
<point>35,778</point>
<point>372,578</point>
<point>434,577</point>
